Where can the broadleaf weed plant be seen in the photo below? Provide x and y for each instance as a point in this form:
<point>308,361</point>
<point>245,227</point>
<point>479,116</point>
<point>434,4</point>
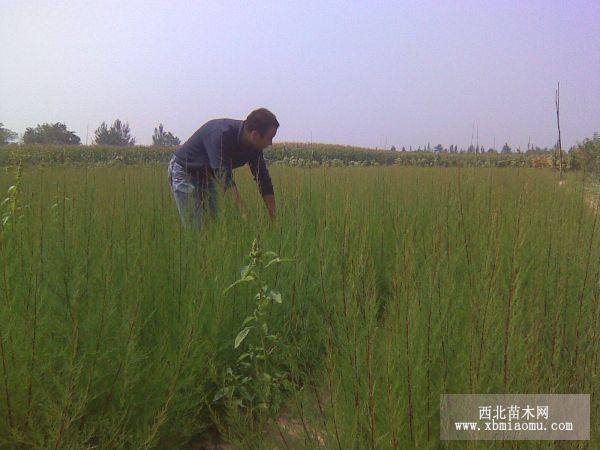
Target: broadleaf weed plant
<point>258,381</point>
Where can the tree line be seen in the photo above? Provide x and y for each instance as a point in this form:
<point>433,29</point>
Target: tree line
<point>477,149</point>
<point>584,155</point>
<point>119,134</point>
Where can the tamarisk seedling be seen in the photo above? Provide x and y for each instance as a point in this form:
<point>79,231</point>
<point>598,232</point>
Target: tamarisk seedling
<point>9,213</point>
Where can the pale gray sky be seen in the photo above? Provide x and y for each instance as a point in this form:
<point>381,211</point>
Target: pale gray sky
<point>367,73</point>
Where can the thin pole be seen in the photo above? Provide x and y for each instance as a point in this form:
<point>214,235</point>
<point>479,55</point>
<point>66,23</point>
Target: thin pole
<point>557,101</point>
<point>472,131</point>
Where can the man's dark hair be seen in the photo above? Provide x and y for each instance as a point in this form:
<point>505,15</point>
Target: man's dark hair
<point>261,120</point>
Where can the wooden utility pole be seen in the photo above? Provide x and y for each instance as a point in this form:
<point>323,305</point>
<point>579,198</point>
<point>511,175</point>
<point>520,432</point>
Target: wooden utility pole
<point>557,101</point>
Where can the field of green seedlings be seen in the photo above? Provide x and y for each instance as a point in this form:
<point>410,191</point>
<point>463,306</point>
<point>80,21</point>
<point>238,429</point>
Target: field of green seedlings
<point>376,290</point>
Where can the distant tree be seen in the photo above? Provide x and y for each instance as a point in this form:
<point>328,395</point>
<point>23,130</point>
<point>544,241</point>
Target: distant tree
<point>118,134</point>
<point>48,133</point>
<point>586,155</point>
<point>403,149</point>
<point>471,149</point>
<point>438,148</point>
<point>165,139</point>
<point>393,149</point>
<point>6,135</point>
<point>505,148</point>
<point>491,150</point>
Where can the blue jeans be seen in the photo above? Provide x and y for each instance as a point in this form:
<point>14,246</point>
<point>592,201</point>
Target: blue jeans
<point>193,195</point>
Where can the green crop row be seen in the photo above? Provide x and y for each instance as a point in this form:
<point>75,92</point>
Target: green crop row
<point>584,157</point>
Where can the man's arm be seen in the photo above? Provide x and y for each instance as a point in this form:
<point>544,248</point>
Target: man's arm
<point>238,200</point>
<point>261,175</point>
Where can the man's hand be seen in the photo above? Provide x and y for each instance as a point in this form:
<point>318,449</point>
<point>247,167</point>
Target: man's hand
<point>270,204</point>
<point>268,199</point>
<point>238,200</point>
